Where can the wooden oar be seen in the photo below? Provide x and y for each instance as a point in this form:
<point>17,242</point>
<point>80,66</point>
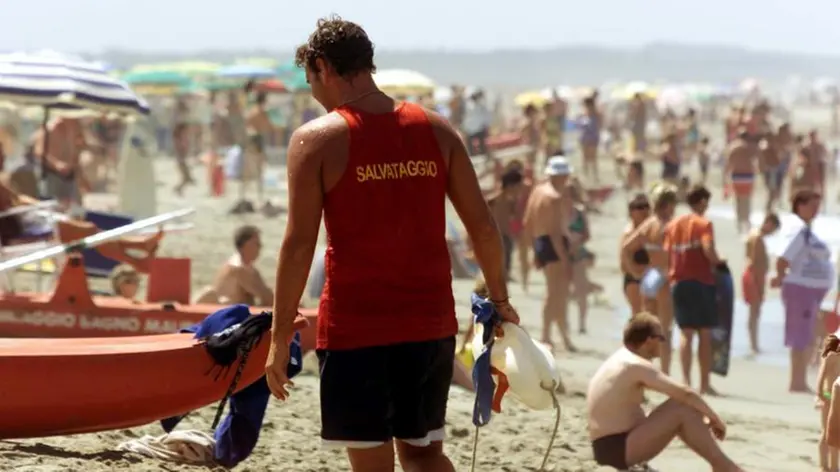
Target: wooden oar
<point>92,241</point>
<point>20,210</point>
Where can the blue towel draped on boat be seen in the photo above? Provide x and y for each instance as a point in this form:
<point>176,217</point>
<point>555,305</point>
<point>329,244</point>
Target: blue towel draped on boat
<point>238,433</point>
<point>485,387</point>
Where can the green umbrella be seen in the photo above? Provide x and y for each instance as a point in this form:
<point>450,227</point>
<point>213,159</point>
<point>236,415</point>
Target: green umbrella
<point>157,77</point>
<point>296,81</point>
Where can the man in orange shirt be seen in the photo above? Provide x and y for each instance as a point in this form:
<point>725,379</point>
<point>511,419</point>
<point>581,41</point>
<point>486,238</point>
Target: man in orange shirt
<point>690,242</point>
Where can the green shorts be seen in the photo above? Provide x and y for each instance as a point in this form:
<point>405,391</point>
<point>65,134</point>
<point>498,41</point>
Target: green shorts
<point>695,304</point>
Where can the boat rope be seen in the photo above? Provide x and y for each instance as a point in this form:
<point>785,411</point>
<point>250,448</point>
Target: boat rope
<point>552,390</point>
<point>232,345</point>
<point>245,352</point>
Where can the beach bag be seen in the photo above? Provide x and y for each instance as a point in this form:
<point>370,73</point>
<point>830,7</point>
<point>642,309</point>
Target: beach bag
<point>652,281</point>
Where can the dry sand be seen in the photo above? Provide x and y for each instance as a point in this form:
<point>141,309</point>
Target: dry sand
<point>769,429</point>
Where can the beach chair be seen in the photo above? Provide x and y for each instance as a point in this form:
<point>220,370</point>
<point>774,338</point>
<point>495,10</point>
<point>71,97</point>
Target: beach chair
<point>97,265</point>
<point>32,237</point>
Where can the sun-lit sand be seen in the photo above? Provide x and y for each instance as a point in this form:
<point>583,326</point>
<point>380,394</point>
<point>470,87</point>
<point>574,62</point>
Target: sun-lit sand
<point>769,429</point>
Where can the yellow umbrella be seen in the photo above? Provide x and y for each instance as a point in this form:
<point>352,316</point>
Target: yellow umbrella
<point>266,62</point>
<point>156,89</point>
<point>630,89</point>
<point>190,68</point>
<point>403,82</point>
<point>536,98</point>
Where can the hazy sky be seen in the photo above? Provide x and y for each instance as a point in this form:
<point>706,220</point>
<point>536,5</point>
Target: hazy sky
<point>189,25</point>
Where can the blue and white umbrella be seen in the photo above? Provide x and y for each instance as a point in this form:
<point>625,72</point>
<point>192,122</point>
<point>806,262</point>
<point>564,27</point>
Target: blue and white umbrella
<point>56,81</point>
<point>246,71</point>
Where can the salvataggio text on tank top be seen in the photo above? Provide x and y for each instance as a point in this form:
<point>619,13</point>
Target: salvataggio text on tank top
<point>396,170</point>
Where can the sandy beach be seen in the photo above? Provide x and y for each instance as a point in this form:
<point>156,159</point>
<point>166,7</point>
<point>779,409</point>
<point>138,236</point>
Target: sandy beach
<point>770,430</point>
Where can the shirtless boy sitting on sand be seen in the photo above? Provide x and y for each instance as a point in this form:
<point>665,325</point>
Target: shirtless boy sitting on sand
<point>238,281</point>
<point>622,435</point>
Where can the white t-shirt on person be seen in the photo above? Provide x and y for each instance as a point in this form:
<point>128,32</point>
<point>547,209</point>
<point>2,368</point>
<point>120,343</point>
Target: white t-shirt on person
<point>810,261</point>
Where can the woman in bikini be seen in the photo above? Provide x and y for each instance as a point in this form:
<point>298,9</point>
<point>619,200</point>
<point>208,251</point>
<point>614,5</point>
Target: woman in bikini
<point>633,267</point>
<point>580,255</point>
<point>650,236</point>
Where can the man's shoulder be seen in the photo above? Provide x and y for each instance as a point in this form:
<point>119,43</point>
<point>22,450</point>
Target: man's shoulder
<point>321,131</point>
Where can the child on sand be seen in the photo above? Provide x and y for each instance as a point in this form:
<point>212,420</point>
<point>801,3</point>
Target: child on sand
<point>828,374</point>
<point>125,281</point>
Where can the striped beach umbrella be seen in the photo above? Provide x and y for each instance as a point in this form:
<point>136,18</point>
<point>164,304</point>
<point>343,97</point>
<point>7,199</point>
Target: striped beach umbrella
<point>56,81</point>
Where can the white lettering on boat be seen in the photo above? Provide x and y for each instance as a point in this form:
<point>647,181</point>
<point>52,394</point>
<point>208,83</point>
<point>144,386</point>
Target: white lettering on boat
<point>39,318</point>
<point>109,323</point>
<point>156,325</point>
<point>124,324</point>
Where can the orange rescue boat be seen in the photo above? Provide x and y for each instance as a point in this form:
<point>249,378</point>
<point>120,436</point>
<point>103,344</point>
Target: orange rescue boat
<point>71,312</point>
<point>83,385</point>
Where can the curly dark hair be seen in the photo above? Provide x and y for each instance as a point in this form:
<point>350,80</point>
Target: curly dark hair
<point>343,44</point>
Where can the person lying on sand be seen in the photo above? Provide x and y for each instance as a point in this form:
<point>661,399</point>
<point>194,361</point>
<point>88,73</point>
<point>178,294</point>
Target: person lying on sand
<point>125,281</point>
<point>238,281</point>
<point>622,434</point>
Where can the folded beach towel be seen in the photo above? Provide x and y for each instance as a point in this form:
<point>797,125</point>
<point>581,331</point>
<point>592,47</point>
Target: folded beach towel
<point>193,447</point>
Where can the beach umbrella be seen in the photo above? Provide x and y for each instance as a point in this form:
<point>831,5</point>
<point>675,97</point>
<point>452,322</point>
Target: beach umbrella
<point>404,82</point>
<point>191,69</point>
<point>246,71</point>
<point>535,98</point>
<point>674,97</point>
<point>271,86</point>
<point>630,89</point>
<point>158,82</point>
<point>260,61</point>
<point>55,82</point>
<point>296,81</point>
<point>52,81</point>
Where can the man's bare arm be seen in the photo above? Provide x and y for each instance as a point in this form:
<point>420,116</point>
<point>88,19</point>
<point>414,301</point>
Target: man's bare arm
<point>465,194</point>
<point>654,379</point>
<point>305,206</point>
<point>252,282</point>
<point>559,227</point>
<point>636,238</point>
<point>40,142</point>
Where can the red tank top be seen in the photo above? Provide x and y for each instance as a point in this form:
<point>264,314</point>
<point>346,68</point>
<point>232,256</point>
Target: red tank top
<point>388,274</point>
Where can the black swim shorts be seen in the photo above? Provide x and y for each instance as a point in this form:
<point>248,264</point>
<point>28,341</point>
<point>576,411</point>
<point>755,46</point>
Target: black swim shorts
<point>374,394</point>
<point>695,304</point>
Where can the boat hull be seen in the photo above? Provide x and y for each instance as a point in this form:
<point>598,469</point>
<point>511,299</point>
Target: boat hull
<point>70,386</point>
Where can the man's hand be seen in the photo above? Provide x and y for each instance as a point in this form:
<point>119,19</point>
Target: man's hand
<point>718,428</point>
<point>776,282</point>
<point>60,167</point>
<point>507,312</point>
<point>275,368</point>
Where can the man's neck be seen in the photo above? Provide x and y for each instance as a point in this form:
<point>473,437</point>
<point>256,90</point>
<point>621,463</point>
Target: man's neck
<point>637,352</point>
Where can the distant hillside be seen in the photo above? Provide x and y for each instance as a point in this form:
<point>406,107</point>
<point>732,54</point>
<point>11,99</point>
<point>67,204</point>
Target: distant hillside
<point>516,69</point>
